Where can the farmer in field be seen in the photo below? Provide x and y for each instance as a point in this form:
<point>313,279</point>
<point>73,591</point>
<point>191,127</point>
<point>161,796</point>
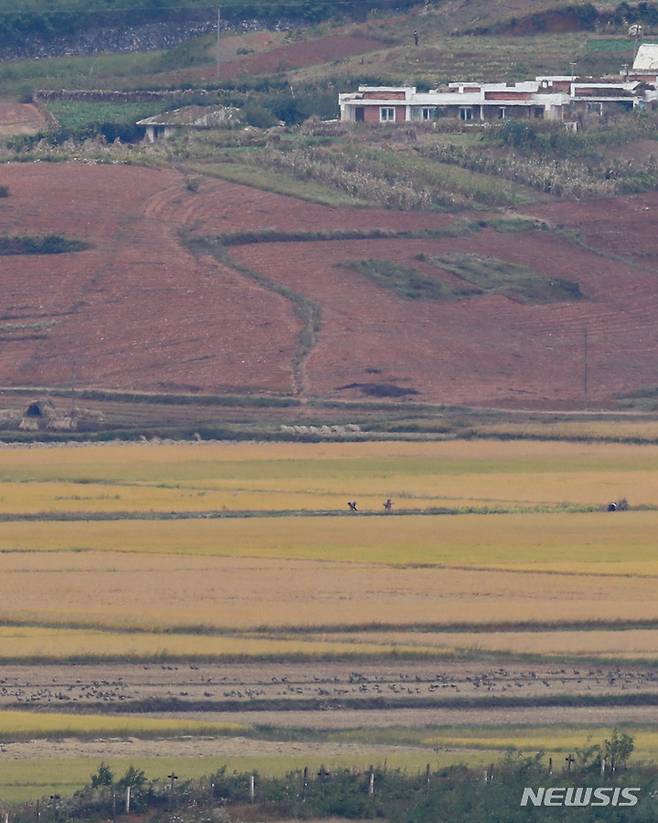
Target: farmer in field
<point>353,506</point>
<point>416,38</point>
<point>388,505</point>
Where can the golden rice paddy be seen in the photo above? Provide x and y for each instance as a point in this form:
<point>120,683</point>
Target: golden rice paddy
<point>486,474</point>
<point>156,592</point>
<point>24,724</point>
<point>571,543</point>
<point>228,587</point>
<point>74,577</point>
<point>33,642</point>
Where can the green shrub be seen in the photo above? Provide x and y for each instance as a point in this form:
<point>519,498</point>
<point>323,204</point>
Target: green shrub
<point>258,116</point>
<point>487,275</point>
<point>26,95</point>
<point>407,282</point>
<point>39,244</point>
<point>192,184</point>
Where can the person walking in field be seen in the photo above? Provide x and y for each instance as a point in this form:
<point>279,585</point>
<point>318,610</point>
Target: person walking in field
<point>353,506</point>
<point>416,38</point>
<point>388,505</point>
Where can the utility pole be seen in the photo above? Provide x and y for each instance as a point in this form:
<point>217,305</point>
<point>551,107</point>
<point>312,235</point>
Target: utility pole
<point>219,26</point>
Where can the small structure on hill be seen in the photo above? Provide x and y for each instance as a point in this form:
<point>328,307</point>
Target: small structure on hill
<point>37,415</point>
<point>188,118</point>
<point>41,415</point>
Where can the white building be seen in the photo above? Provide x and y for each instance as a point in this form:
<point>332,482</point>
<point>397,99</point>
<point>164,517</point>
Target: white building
<point>646,60</point>
<point>555,98</point>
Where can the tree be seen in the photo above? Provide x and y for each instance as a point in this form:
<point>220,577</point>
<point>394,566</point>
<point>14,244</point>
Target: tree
<point>103,777</point>
<point>618,749</point>
<point>135,778</point>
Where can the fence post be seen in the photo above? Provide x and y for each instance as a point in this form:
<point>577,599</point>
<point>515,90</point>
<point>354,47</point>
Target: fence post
<point>38,812</point>
<point>602,766</point>
<point>304,784</point>
<point>127,799</point>
<point>428,777</point>
<point>371,783</point>
<point>252,788</point>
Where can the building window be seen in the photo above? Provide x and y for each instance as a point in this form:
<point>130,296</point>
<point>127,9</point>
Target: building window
<point>539,112</point>
<point>466,113</point>
<point>502,113</point>
<point>428,113</point>
<point>387,114</point>
<point>595,108</point>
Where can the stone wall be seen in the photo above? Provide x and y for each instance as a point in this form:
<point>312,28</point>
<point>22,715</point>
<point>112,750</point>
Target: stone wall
<point>125,39</point>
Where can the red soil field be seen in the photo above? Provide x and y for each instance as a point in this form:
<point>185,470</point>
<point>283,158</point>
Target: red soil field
<point>289,56</point>
<point>140,311</point>
<point>626,227</point>
<point>137,310</point>
<point>484,350</point>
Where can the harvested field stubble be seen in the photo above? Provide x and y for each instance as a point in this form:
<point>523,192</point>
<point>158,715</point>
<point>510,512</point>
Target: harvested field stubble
<point>204,595</point>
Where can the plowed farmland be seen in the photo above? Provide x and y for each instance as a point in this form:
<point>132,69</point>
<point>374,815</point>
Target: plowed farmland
<point>139,310</point>
<point>487,349</point>
<point>136,309</point>
<point>628,229</point>
<point>288,56</point>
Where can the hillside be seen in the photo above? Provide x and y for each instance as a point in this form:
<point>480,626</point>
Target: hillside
<point>44,21</point>
<point>513,268</point>
<point>143,309</point>
<point>71,27</point>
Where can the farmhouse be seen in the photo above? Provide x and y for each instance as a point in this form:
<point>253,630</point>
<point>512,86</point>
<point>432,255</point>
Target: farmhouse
<point>556,98</point>
<point>185,119</point>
